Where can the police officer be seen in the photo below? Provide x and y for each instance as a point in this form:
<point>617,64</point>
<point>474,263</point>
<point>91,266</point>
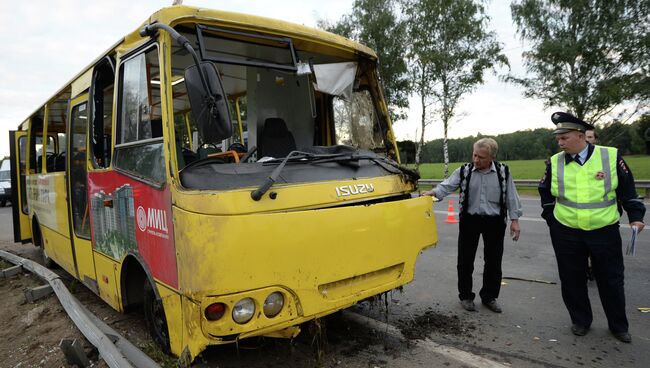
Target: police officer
<point>579,192</point>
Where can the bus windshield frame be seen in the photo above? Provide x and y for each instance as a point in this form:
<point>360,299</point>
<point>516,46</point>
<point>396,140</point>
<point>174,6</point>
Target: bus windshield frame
<point>262,40</point>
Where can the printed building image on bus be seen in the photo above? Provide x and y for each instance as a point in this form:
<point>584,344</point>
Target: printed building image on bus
<point>230,175</point>
<point>114,224</point>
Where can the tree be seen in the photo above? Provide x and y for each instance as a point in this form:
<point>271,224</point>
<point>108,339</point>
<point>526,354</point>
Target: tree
<point>451,49</point>
<point>375,24</point>
<point>616,134</point>
<point>588,56</point>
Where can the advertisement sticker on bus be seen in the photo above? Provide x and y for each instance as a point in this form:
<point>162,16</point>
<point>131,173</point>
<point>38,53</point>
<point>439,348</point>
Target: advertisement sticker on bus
<point>130,216</point>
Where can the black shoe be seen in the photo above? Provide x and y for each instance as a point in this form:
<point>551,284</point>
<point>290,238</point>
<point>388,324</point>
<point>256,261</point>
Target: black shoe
<point>468,305</point>
<point>623,336</point>
<point>493,306</point>
<point>579,330</point>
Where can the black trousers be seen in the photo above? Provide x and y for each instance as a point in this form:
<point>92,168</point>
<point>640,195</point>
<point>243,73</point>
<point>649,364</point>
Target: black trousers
<point>471,227</point>
<point>572,249</point>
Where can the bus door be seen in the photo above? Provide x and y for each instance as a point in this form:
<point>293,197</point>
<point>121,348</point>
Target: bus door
<point>78,191</point>
<point>18,148</point>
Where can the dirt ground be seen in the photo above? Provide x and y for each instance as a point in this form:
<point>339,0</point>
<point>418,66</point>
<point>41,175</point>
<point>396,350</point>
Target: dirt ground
<point>31,332</point>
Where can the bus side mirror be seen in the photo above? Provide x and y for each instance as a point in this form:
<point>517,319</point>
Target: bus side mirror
<point>209,108</point>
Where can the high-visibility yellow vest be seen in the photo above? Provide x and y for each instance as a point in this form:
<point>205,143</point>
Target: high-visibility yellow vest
<point>586,195</point>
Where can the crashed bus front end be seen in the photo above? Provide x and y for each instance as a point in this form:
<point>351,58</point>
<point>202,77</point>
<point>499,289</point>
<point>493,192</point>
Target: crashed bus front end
<point>290,205</point>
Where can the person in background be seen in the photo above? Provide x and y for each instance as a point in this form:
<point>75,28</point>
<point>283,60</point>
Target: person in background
<point>579,193</point>
<point>487,196</point>
<point>591,136</point>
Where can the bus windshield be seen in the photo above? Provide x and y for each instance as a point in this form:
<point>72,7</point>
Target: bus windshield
<point>281,99</point>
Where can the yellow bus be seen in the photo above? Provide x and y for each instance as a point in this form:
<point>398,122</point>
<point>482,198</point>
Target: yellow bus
<point>233,175</point>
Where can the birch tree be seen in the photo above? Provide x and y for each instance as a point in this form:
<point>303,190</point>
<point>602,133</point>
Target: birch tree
<point>451,48</point>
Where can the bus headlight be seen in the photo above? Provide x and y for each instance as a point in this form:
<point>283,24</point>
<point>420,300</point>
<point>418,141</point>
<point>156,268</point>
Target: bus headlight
<point>243,310</point>
<point>273,304</point>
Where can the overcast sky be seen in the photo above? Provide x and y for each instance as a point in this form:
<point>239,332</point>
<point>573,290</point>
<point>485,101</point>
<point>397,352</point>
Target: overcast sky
<point>46,43</point>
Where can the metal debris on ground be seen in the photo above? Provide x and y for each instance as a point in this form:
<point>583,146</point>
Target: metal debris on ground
<point>530,280</point>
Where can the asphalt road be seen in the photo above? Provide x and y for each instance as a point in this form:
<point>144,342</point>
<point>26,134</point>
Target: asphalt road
<point>533,330</point>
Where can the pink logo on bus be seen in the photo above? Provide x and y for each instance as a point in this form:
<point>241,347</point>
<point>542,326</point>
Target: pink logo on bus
<point>142,219</point>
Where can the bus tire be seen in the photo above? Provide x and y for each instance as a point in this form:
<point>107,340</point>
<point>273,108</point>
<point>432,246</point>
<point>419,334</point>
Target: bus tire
<point>154,315</point>
<point>45,259</point>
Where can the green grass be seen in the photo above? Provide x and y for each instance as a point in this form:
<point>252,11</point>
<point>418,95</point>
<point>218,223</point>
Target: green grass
<point>153,351</point>
<point>534,169</point>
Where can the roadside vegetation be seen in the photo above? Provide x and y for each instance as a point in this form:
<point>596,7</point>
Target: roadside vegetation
<point>534,169</point>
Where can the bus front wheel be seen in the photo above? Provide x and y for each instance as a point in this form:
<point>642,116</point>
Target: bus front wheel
<point>154,315</point>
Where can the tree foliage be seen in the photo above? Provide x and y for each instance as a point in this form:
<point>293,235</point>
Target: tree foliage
<point>535,144</point>
<point>450,50</point>
<point>375,24</point>
<point>587,56</point>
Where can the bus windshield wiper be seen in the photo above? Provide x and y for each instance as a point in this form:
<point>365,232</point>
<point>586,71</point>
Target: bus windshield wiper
<point>268,183</point>
<point>294,156</point>
<point>341,158</point>
<point>383,162</point>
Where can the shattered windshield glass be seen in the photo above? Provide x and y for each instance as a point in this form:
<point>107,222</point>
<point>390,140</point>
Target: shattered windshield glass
<point>355,122</point>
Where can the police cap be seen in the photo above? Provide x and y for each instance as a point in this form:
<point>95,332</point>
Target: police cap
<point>565,122</point>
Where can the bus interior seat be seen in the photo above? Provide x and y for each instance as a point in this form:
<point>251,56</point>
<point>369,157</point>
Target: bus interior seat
<point>50,158</point>
<point>59,161</point>
<point>276,140</point>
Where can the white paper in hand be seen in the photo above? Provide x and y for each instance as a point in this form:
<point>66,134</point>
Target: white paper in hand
<point>631,248</point>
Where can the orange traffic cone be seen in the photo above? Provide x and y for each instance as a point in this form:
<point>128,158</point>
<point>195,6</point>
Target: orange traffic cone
<point>451,214</point>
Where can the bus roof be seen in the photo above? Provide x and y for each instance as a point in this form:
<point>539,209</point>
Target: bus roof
<point>305,38</point>
<point>174,15</point>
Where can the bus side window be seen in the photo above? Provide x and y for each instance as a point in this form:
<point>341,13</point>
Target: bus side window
<point>139,130</point>
<point>36,143</point>
<point>56,132</point>
<point>102,112</point>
